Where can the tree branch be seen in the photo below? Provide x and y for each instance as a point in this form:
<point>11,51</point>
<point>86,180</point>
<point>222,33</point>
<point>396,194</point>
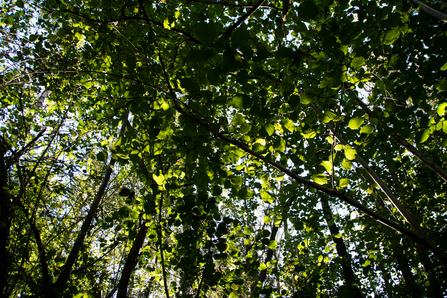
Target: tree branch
<point>242,19</point>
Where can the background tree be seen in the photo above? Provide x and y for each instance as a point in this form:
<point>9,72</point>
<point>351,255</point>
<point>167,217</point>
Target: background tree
<point>228,149</point>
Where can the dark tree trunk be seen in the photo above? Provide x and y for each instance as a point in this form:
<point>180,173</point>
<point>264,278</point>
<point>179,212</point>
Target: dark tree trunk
<point>131,262</point>
<point>348,273</point>
<point>406,272</point>
<point>66,270</point>
<point>434,290</point>
<point>5,223</point>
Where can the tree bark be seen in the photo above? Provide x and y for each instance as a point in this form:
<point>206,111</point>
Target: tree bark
<point>406,272</point>
<point>348,273</point>
<point>431,11</point>
<point>131,261</point>
<point>42,254</point>
<point>434,290</point>
<point>66,270</point>
<point>5,222</point>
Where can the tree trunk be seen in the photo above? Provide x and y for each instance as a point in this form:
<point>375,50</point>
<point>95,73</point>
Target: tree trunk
<point>66,270</point>
<point>5,222</point>
<point>434,290</point>
<point>348,273</point>
<point>131,261</point>
<point>406,272</point>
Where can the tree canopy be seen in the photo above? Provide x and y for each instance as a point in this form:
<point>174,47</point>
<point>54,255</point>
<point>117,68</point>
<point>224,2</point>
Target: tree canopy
<point>193,148</point>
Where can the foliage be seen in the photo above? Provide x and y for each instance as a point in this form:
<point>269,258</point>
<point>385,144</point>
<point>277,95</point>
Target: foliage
<point>222,149</point>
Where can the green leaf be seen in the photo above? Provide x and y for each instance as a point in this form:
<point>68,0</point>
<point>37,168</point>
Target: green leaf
<point>266,197</point>
<point>357,62</point>
<point>273,244</point>
<point>328,116</point>
<point>366,129</point>
<point>344,182</point>
<point>306,99</point>
<point>269,128</point>
<point>262,266</point>
<point>159,179</point>
<point>355,123</point>
<point>245,128</point>
<point>391,36</point>
<point>309,134</point>
<point>350,153</point>
<point>327,165</point>
<point>258,148</point>
<point>441,108</point>
<point>279,145</point>
<point>206,33</point>
<point>166,24</point>
<point>441,84</point>
<point>267,219</point>
<point>240,37</point>
<point>236,180</point>
<point>339,147</point>
<point>366,263</point>
<point>307,10</point>
<point>248,230</point>
<point>101,156</point>
<point>238,119</point>
<point>288,124</point>
<point>189,85</point>
<point>346,164</point>
<point>319,179</point>
<point>425,135</point>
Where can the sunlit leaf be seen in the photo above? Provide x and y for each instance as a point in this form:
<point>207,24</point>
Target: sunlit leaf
<point>344,182</point>
<point>366,263</point>
<point>307,98</point>
<point>288,124</point>
<point>159,179</point>
<point>238,119</point>
<point>319,179</point>
<point>279,145</point>
<point>355,123</point>
<point>441,108</point>
<point>366,129</point>
<point>350,153</point>
<point>346,164</point>
<point>425,135</point>
<point>327,165</point>
<point>267,219</point>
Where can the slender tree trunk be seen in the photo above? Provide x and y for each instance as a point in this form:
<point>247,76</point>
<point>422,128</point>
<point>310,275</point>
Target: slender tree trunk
<point>434,289</point>
<point>66,270</point>
<point>263,275</point>
<point>406,272</point>
<point>348,273</point>
<point>131,261</point>
<point>5,222</point>
<point>133,255</point>
<point>42,254</point>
